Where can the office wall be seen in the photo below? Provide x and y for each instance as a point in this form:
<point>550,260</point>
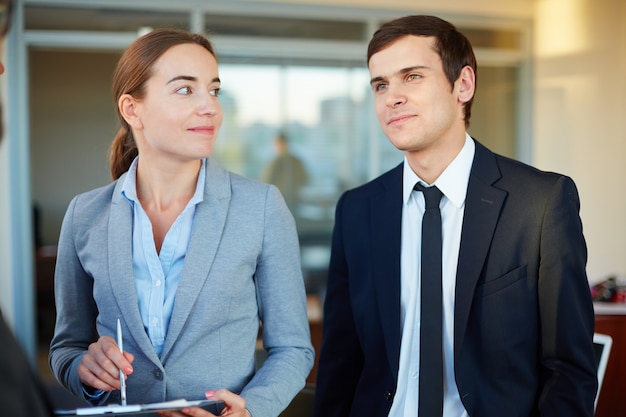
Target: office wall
<point>72,86</point>
<point>579,126</point>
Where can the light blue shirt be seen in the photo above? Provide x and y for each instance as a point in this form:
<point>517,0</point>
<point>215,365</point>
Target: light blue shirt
<point>157,275</point>
<point>453,184</point>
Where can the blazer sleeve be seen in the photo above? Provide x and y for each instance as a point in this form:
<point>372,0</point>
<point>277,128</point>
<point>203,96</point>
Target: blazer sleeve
<point>282,308</point>
<point>566,311</point>
<point>75,327</point>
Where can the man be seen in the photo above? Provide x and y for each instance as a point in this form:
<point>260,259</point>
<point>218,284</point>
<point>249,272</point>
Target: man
<point>516,315</point>
<point>21,392</point>
<point>287,172</point>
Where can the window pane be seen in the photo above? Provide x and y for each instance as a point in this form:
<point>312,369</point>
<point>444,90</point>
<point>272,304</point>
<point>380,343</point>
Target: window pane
<point>291,28</point>
<point>100,19</point>
<point>494,112</point>
<point>325,116</point>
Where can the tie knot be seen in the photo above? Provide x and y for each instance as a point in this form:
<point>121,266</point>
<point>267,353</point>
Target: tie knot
<point>432,195</point>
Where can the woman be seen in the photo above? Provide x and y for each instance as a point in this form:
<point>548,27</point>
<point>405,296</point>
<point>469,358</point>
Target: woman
<point>188,255</point>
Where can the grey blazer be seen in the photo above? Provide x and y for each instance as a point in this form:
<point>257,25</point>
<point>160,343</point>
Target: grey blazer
<point>242,267</point>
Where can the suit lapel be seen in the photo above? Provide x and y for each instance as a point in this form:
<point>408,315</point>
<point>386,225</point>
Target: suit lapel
<point>386,226</point>
<point>208,225</point>
<point>482,210</point>
<point>121,270</point>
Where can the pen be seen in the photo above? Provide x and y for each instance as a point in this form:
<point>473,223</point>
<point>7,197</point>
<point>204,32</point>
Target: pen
<point>119,344</point>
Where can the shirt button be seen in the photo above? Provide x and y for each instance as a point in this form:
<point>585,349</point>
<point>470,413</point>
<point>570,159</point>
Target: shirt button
<point>158,374</point>
<point>158,283</point>
<point>155,320</point>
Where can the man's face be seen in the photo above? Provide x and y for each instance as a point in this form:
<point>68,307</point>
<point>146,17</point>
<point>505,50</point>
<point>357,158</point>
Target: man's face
<point>417,107</point>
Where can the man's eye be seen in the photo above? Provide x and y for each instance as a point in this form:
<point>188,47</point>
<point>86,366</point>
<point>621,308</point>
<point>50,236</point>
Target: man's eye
<point>215,92</point>
<point>412,77</point>
<point>380,87</point>
<point>184,90</point>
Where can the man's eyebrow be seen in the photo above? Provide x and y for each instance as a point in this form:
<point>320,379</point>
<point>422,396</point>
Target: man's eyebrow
<point>191,78</point>
<point>375,80</point>
<point>400,72</point>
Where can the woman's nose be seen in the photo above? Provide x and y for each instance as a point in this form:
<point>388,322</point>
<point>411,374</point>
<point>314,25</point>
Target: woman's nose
<point>209,105</point>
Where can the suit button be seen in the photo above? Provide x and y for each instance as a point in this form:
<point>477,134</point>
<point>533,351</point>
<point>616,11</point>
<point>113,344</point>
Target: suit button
<point>387,395</point>
<point>158,374</point>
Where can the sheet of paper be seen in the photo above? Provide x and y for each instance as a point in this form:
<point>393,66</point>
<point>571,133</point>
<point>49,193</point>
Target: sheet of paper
<point>137,409</point>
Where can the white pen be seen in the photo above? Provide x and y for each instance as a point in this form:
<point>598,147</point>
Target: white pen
<point>119,344</point>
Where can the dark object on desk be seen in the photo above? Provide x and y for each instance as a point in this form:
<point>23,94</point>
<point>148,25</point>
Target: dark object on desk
<point>605,291</point>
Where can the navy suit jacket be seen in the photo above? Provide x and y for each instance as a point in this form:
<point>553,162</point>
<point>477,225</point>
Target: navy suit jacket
<point>22,393</point>
<point>523,319</point>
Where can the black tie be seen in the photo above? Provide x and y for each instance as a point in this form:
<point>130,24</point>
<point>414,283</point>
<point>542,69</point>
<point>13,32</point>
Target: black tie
<point>431,316</point>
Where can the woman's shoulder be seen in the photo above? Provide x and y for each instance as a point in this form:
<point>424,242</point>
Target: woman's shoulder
<point>89,205</point>
<point>98,195</point>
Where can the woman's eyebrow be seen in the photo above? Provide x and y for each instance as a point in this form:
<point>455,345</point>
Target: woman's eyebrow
<point>191,78</point>
<point>182,77</point>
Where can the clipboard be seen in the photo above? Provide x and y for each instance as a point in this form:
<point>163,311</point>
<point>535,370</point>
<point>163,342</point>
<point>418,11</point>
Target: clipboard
<point>114,410</point>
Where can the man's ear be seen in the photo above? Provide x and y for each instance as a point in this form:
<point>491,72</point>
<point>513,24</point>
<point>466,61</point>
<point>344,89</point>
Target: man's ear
<point>127,106</point>
<point>466,84</point>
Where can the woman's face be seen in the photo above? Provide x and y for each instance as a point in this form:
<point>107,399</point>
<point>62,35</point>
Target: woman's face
<point>180,115</point>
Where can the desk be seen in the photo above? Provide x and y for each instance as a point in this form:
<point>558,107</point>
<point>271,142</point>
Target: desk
<point>611,320</point>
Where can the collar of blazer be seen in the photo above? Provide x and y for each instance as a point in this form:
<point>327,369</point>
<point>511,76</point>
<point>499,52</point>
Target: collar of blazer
<point>209,222</point>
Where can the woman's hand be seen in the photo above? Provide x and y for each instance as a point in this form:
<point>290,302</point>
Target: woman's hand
<point>100,366</point>
<point>235,406</point>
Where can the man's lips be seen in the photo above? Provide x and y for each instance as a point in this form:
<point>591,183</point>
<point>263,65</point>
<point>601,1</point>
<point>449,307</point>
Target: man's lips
<point>399,119</point>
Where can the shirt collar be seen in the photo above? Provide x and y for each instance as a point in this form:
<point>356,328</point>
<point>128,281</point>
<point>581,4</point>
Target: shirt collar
<point>453,180</point>
<point>129,188</point>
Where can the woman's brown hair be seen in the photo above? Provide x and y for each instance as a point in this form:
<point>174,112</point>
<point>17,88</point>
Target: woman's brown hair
<point>133,70</point>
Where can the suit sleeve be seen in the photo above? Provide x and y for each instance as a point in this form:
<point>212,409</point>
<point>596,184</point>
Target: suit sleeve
<point>569,380</point>
<point>22,393</point>
<point>341,356</point>
<point>76,311</point>
<point>282,306</point>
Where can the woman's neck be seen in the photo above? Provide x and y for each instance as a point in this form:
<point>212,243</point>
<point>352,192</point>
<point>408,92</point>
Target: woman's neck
<point>164,193</point>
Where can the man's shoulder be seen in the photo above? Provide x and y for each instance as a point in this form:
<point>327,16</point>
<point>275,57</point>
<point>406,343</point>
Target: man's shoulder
<point>515,170</point>
<point>383,183</point>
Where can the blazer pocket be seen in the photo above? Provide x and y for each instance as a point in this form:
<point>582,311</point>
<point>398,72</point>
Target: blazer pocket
<point>495,285</point>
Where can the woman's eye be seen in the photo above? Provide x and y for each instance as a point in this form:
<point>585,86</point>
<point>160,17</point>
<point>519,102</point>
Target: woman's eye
<point>184,90</point>
<point>215,92</point>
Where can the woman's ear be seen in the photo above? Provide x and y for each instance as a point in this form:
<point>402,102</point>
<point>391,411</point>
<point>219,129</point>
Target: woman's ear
<point>127,106</point>
<point>466,84</point>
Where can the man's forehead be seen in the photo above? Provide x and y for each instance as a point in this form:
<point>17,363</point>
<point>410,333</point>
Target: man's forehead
<point>406,52</point>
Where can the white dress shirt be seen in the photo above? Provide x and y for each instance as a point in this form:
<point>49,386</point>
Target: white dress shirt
<point>453,184</point>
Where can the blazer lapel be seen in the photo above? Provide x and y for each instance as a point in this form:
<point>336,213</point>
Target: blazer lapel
<point>208,225</point>
<point>482,210</point>
<point>121,270</point>
<point>386,226</point>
